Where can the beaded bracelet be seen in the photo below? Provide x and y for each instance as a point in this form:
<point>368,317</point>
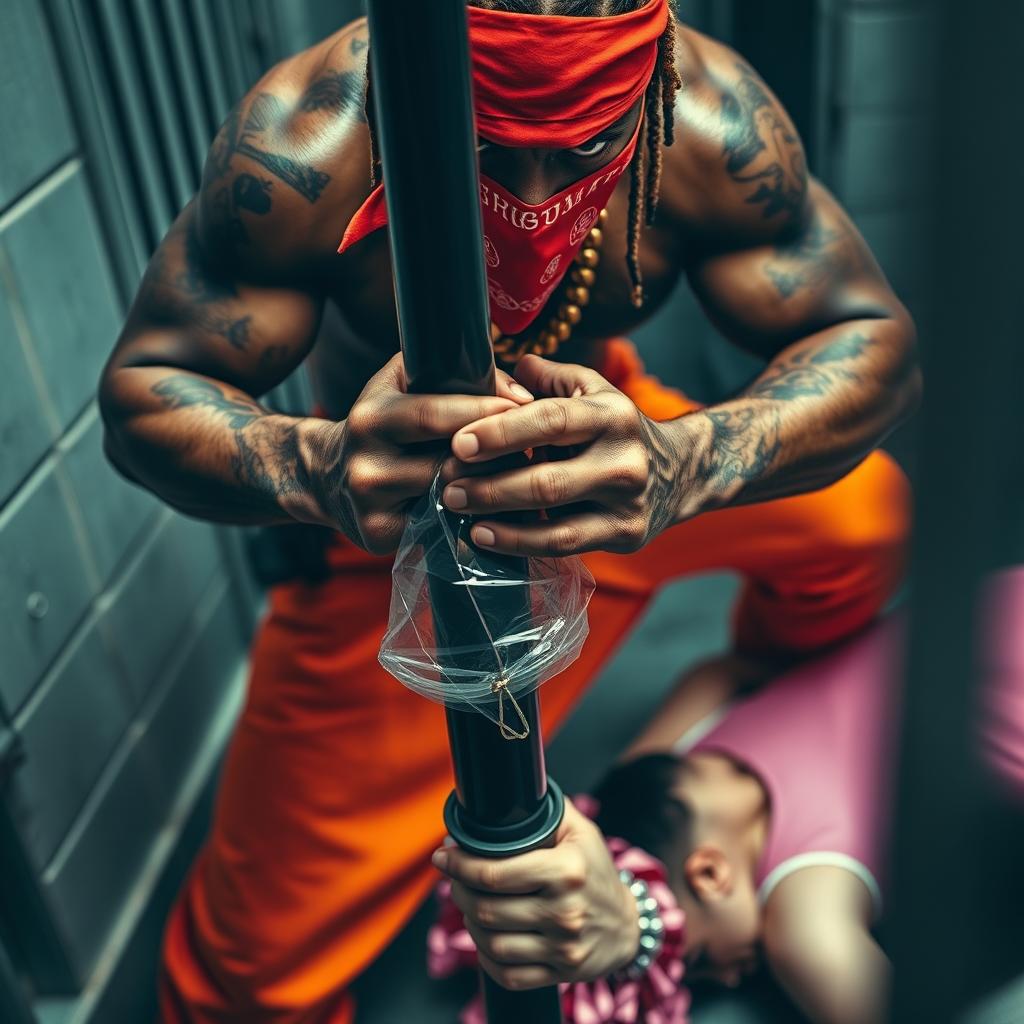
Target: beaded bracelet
<point>652,928</point>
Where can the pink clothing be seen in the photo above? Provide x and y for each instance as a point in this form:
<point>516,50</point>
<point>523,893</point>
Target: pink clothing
<point>821,740</point>
<point>1002,665</point>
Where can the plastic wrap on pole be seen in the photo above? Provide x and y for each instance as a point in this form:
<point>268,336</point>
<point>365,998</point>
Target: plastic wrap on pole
<point>515,628</point>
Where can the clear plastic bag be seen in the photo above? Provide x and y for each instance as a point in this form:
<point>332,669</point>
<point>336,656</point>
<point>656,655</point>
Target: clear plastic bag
<point>473,629</point>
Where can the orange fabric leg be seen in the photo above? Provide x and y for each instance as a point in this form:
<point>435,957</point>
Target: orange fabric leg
<point>329,807</point>
<point>330,802</point>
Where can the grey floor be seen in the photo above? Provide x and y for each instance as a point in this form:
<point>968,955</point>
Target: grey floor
<point>685,623</point>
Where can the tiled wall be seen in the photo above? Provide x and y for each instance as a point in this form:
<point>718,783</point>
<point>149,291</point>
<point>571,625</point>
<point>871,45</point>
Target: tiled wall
<point>123,626</point>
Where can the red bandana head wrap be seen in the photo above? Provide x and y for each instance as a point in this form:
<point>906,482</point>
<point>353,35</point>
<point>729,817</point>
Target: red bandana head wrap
<point>553,82</point>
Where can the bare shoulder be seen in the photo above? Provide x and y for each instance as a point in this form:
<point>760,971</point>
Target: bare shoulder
<point>810,908</point>
<point>737,166</point>
<point>290,164</point>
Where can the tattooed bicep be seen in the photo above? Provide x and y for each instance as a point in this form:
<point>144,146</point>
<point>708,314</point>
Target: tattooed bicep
<point>192,311</point>
<point>766,295</point>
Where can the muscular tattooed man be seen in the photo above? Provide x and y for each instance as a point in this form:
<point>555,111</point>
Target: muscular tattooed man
<point>330,801</point>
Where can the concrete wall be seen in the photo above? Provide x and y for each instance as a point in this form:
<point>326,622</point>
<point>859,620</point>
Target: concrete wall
<point>123,626</point>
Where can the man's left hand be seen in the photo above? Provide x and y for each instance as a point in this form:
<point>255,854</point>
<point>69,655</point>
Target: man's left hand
<point>551,915</point>
<point>617,489</point>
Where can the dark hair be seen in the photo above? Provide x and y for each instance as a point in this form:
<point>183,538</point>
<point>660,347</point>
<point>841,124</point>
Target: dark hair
<point>637,803</point>
<point>644,188</point>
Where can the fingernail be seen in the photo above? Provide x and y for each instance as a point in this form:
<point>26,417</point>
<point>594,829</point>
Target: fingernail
<point>466,445</point>
<point>455,497</point>
<point>440,860</point>
<point>483,536</point>
<point>518,389</point>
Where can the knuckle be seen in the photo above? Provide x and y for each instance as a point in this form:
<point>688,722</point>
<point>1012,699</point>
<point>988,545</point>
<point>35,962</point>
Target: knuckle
<point>571,921</point>
<point>362,477</point>
<point>490,876</point>
<point>574,871</point>
<point>566,540</point>
<point>573,954</point>
<point>360,420</point>
<point>634,532</point>
<point>632,468</point>
<point>551,487</point>
<point>486,913</point>
<point>428,418</point>
<point>380,533</point>
<point>630,535</point>
<point>554,419</point>
<point>623,414</point>
<point>486,490</point>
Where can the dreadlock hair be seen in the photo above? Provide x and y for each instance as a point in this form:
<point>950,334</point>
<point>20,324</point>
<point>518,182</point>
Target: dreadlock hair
<point>659,99</point>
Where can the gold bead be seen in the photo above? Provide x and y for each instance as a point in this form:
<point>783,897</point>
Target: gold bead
<point>595,238</point>
<point>547,343</point>
<point>588,257</point>
<point>579,295</point>
<point>570,312</point>
<point>602,218</point>
<point>502,344</point>
<point>584,276</point>
<point>495,331</point>
<point>559,328</point>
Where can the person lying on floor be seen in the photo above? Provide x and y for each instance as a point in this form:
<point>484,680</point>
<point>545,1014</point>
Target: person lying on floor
<point>766,823</point>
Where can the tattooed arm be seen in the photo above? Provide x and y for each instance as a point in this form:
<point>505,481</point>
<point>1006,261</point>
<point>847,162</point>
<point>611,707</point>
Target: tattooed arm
<point>780,270</point>
<point>230,305</point>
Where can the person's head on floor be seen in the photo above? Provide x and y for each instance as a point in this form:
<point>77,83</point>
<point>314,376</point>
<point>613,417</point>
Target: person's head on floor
<point>671,807</point>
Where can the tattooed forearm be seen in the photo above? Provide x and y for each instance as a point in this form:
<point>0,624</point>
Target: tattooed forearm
<point>744,444</point>
<point>813,372</point>
<point>267,456</point>
<point>762,152</point>
<point>183,390</point>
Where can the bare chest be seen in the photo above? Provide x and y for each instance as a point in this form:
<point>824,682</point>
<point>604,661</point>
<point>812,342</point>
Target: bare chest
<point>361,332</point>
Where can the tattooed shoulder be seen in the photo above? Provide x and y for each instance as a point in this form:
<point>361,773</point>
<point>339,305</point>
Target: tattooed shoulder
<point>761,149</point>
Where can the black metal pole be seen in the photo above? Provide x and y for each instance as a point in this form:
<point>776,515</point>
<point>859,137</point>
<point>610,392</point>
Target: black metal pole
<point>419,67</point>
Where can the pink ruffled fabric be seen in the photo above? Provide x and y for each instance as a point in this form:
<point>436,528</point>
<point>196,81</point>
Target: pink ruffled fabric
<point>657,998</point>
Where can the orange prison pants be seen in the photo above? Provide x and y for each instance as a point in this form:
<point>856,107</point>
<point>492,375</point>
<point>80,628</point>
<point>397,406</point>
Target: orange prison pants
<point>330,802</point>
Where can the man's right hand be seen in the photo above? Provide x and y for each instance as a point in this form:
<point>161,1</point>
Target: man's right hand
<point>385,454</point>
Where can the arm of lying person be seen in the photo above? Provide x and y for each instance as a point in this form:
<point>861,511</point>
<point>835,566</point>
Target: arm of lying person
<point>550,915</point>
<point>819,946</point>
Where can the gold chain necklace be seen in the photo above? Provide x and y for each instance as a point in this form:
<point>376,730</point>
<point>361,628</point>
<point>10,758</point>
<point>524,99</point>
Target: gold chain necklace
<point>570,312</point>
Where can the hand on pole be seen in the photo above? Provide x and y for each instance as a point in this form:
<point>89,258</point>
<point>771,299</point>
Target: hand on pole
<point>551,915</point>
<point>610,481</point>
<point>388,450</point>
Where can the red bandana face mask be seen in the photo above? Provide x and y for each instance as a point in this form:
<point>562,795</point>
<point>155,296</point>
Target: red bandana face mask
<point>528,249</point>
<point>530,93</point>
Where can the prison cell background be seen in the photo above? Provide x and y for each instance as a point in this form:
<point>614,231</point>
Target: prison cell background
<point>123,626</point>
